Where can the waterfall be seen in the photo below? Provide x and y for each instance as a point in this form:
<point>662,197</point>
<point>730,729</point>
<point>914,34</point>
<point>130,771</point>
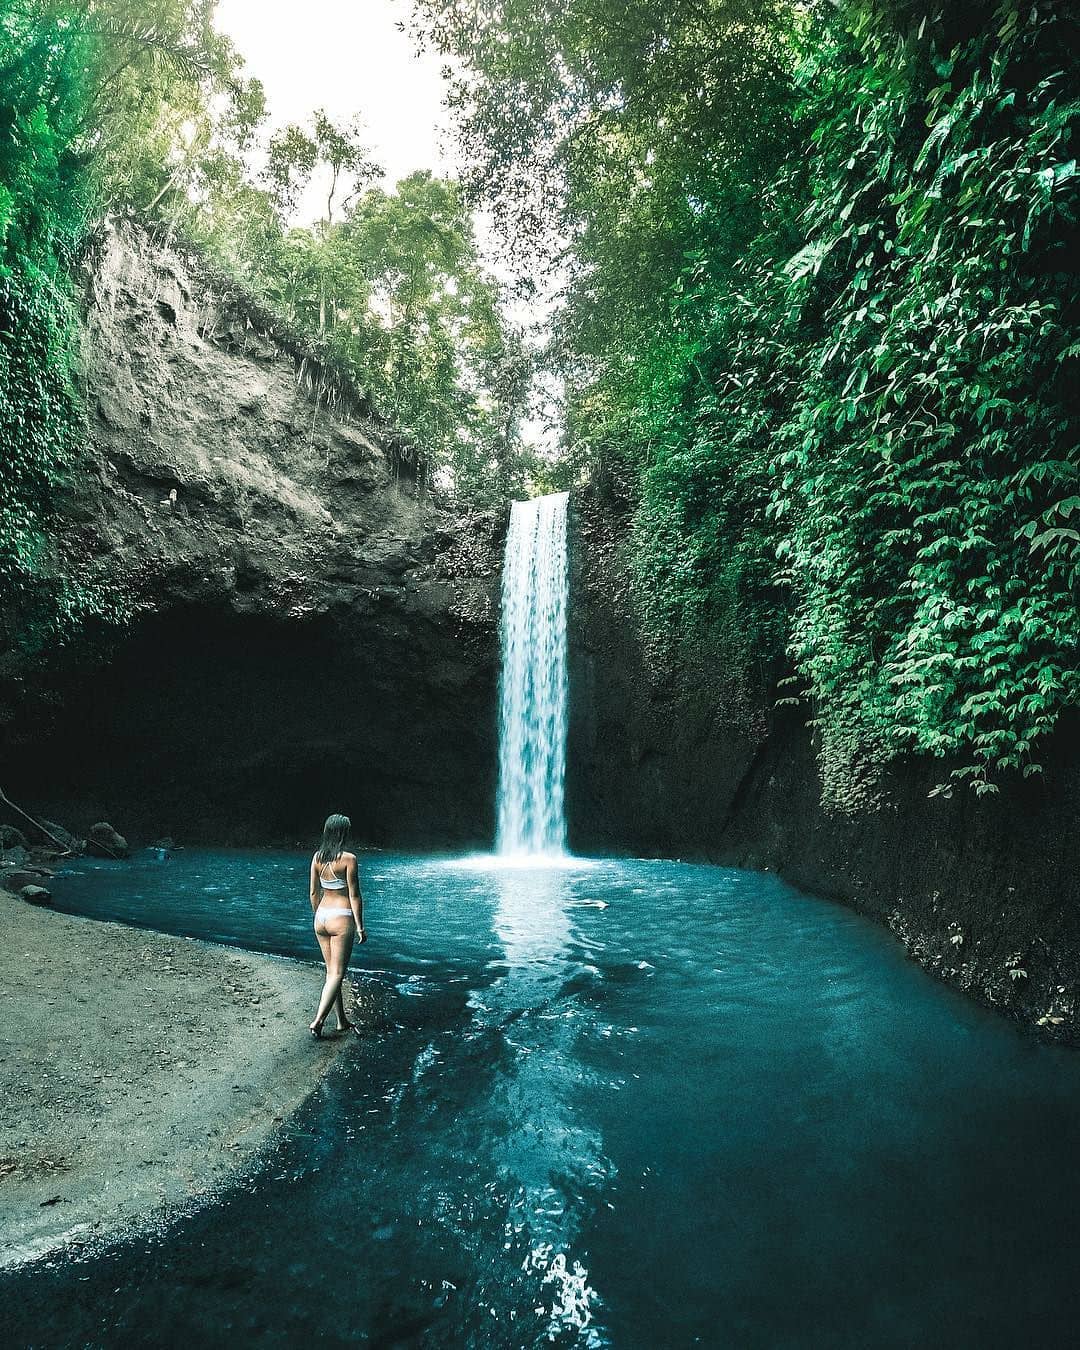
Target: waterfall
<point>532,696</point>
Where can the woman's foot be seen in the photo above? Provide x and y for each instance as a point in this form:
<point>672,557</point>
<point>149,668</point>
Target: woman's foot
<point>316,1029</point>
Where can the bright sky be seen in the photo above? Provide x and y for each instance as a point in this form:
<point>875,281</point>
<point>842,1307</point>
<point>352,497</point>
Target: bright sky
<point>348,57</point>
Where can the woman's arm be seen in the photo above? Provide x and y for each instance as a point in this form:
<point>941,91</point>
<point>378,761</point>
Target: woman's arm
<point>356,900</point>
<point>314,884</point>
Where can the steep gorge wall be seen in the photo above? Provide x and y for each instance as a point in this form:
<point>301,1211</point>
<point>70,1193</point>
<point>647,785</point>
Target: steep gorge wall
<point>313,632</point>
<point>976,888</point>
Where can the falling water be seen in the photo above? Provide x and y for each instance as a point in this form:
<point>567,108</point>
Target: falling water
<point>532,706</point>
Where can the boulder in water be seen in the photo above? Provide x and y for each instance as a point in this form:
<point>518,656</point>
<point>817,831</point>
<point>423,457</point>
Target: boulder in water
<point>36,895</point>
<point>64,837</point>
<point>15,878</point>
<point>102,841</point>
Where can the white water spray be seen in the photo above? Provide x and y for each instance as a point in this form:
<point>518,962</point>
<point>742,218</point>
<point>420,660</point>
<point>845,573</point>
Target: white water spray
<point>532,701</point>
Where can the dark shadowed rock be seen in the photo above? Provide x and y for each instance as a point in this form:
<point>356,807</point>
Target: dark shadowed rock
<point>102,841</point>
<point>11,837</point>
<point>64,838</point>
<point>15,878</point>
<point>36,895</point>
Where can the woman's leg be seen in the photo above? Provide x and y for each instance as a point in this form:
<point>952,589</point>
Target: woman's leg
<point>324,946</point>
<point>336,965</point>
<point>339,1007</point>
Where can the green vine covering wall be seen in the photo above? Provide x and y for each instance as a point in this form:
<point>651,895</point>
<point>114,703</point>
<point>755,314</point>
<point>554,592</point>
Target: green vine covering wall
<point>925,480</point>
<point>42,206</point>
<point>891,411</point>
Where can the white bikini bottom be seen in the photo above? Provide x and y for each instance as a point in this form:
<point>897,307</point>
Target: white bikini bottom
<point>327,910</point>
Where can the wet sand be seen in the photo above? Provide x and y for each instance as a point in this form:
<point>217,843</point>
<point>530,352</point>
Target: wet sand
<point>139,1073</point>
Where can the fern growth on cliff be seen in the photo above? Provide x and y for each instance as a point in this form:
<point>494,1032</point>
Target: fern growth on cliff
<point>42,204</point>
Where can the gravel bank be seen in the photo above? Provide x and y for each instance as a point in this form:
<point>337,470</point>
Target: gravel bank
<point>138,1072</point>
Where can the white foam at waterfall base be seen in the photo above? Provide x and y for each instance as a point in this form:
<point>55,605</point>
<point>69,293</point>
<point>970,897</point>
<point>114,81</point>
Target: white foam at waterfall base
<point>533,686</point>
<point>520,862</point>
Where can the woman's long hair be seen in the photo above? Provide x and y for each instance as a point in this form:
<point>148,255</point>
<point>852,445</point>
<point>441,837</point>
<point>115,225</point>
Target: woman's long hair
<point>334,836</point>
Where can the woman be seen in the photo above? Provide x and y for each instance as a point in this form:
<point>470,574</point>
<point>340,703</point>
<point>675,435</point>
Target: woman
<point>333,879</point>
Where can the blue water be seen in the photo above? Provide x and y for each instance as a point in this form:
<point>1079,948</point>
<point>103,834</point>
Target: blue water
<point>713,1112</point>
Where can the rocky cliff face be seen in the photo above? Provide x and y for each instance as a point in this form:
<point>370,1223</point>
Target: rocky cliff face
<point>984,892</point>
<point>313,632</point>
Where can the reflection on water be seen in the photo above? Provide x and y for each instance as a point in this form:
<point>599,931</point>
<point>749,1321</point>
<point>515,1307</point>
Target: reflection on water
<point>532,922</point>
<point>622,1103</point>
<point>555,1156</point>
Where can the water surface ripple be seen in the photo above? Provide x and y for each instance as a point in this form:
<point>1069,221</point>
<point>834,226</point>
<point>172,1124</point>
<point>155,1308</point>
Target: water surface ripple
<point>617,1103</point>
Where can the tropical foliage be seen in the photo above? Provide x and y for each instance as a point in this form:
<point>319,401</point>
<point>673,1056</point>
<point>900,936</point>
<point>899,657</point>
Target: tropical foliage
<point>817,323</point>
<point>42,197</point>
<point>820,327</point>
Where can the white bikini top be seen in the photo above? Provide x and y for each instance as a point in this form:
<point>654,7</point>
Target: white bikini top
<point>333,884</point>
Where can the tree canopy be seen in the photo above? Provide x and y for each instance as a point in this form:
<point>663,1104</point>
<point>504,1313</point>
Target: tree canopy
<point>819,330</point>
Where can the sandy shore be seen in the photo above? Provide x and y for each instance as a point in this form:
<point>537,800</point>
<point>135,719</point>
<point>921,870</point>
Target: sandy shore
<point>138,1072</point>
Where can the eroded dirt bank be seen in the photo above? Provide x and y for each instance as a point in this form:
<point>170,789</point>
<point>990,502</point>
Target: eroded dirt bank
<point>138,1073</point>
